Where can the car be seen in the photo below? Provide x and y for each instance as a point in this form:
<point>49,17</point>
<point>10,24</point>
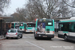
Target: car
<point>13,33</point>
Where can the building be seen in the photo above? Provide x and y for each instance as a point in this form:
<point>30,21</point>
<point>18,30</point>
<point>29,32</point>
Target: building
<point>3,25</point>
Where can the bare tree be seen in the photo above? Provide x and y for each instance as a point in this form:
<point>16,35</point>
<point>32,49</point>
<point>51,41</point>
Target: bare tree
<point>20,15</point>
<point>35,9</point>
<point>63,9</point>
<point>43,8</point>
<point>70,3</point>
<point>3,4</point>
<point>51,6</point>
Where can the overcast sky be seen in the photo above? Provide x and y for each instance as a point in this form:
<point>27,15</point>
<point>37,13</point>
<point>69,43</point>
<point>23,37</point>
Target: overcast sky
<point>15,4</point>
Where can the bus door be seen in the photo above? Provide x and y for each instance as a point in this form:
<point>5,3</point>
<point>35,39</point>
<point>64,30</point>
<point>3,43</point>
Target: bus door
<point>25,27</point>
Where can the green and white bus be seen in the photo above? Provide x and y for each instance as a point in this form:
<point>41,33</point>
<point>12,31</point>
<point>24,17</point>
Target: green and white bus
<point>15,25</point>
<point>44,28</point>
<point>22,27</point>
<point>67,29</point>
<point>30,27</point>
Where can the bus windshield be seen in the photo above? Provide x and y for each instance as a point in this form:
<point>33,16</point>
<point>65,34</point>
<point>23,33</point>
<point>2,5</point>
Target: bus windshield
<point>31,25</point>
<point>46,22</point>
<point>15,25</point>
<point>12,26</point>
<point>21,24</point>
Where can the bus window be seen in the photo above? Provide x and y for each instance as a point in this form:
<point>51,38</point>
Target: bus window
<point>72,27</point>
<point>49,23</point>
<point>12,26</point>
<point>64,27</point>
<point>21,24</point>
<point>31,25</point>
<point>16,27</point>
<point>16,24</point>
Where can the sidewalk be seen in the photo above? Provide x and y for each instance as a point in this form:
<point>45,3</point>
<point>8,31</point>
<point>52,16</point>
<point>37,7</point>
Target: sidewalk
<point>2,37</point>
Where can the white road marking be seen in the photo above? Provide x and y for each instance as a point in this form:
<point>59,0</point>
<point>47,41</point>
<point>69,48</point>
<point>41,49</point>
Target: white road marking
<point>35,45</point>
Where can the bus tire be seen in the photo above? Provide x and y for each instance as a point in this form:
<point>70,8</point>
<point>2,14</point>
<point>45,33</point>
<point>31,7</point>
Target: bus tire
<point>35,37</point>
<point>6,37</point>
<point>65,38</point>
<point>49,38</point>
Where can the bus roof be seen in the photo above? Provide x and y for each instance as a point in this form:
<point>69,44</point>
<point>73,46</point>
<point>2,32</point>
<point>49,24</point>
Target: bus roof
<point>30,22</point>
<point>14,22</point>
<point>72,19</point>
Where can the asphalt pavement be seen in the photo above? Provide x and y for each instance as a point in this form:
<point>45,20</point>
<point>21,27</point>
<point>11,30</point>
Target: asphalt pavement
<point>29,43</point>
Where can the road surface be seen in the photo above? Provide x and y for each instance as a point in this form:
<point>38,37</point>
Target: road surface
<point>29,43</point>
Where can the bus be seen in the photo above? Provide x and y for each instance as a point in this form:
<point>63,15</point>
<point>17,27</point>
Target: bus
<point>30,27</point>
<point>44,28</point>
<point>22,27</point>
<point>15,25</point>
<point>67,29</point>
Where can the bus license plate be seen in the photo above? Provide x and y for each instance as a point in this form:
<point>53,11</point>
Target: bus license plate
<point>44,36</point>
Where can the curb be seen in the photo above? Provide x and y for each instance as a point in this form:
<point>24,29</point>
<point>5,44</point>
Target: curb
<point>2,37</point>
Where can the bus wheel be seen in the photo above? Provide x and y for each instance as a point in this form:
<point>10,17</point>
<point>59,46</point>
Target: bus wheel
<point>65,38</point>
<point>6,37</point>
<point>35,37</point>
<point>49,38</point>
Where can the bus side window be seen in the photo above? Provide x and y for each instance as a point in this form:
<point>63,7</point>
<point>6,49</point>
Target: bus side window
<point>60,27</point>
<point>64,27</point>
<point>12,26</point>
<point>72,28</point>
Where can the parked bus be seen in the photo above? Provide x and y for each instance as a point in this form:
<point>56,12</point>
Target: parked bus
<point>22,27</point>
<point>15,25</point>
<point>44,28</point>
<point>67,29</point>
<point>30,27</point>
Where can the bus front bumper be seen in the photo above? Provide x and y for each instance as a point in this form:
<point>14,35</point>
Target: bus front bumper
<point>45,35</point>
<point>29,30</point>
<point>21,30</point>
